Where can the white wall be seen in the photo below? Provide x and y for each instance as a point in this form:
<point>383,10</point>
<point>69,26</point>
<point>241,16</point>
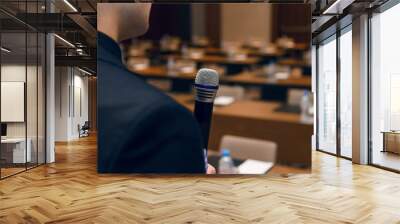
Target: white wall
<point>16,72</point>
<point>33,127</point>
<point>244,21</point>
<point>62,82</point>
<point>79,117</point>
<point>70,83</point>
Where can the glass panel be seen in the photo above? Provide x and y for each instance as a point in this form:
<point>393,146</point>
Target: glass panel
<point>41,98</point>
<point>346,94</point>
<point>385,87</point>
<point>327,97</point>
<point>13,88</point>
<point>23,90</point>
<point>31,98</point>
<point>32,86</point>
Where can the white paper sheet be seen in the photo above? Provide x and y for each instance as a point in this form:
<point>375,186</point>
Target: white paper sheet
<point>223,100</point>
<point>254,167</point>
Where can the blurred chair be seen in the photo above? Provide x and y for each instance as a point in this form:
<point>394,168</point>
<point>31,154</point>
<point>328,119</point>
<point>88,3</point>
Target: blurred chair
<point>170,43</point>
<point>137,63</point>
<point>163,85</point>
<point>248,148</point>
<point>221,69</point>
<point>229,46</point>
<point>252,93</point>
<point>200,41</point>
<point>83,130</point>
<point>294,96</point>
<point>237,92</point>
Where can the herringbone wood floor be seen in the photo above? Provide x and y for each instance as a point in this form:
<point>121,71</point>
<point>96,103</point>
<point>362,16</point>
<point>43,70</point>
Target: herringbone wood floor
<point>70,191</point>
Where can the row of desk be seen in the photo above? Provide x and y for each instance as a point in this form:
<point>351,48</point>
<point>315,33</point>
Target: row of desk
<point>271,89</point>
<point>217,59</point>
<point>236,59</point>
<point>239,64</point>
<point>245,78</point>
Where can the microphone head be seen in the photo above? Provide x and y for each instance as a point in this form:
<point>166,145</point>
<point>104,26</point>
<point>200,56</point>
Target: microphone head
<point>206,85</point>
<point>206,76</point>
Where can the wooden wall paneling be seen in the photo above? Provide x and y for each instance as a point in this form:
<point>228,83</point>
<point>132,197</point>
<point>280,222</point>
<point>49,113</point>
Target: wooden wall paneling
<point>213,23</point>
<point>293,20</point>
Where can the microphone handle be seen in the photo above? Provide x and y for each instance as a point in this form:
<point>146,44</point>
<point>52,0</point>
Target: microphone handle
<point>203,114</point>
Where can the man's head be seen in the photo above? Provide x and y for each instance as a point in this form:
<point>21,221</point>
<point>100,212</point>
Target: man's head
<point>122,21</point>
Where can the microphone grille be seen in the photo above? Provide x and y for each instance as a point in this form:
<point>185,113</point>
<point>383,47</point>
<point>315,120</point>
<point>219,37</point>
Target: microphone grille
<point>206,76</point>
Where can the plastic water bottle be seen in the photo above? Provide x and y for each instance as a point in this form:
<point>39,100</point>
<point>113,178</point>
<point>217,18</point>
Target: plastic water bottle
<point>171,67</point>
<point>304,106</point>
<point>226,165</point>
<point>185,51</point>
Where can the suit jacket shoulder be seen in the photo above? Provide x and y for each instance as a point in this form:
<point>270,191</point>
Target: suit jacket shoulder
<point>142,130</point>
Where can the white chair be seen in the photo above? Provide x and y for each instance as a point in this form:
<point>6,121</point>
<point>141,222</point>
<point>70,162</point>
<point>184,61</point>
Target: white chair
<point>294,96</point>
<point>248,148</point>
<point>237,92</point>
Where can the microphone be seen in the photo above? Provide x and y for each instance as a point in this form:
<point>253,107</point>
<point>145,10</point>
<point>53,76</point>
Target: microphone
<point>206,86</point>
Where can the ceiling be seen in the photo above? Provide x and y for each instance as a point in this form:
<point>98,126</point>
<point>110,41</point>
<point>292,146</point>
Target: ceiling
<point>17,42</point>
<point>72,20</point>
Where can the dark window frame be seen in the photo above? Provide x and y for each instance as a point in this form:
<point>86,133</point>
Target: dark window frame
<point>30,30</point>
<point>340,30</point>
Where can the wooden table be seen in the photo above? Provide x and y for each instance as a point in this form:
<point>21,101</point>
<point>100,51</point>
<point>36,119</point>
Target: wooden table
<point>232,65</point>
<point>271,89</point>
<point>244,78</point>
<point>162,73</point>
<point>391,141</point>
<point>304,65</point>
<point>250,78</point>
<point>298,47</point>
<point>181,81</point>
<point>16,150</point>
<point>258,119</point>
<point>217,59</point>
<point>250,52</point>
<point>294,62</point>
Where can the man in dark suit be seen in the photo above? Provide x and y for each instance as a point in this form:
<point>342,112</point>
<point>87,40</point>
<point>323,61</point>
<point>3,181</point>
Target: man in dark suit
<point>140,129</point>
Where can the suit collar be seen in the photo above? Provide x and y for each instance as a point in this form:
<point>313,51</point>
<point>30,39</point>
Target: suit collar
<point>109,50</point>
